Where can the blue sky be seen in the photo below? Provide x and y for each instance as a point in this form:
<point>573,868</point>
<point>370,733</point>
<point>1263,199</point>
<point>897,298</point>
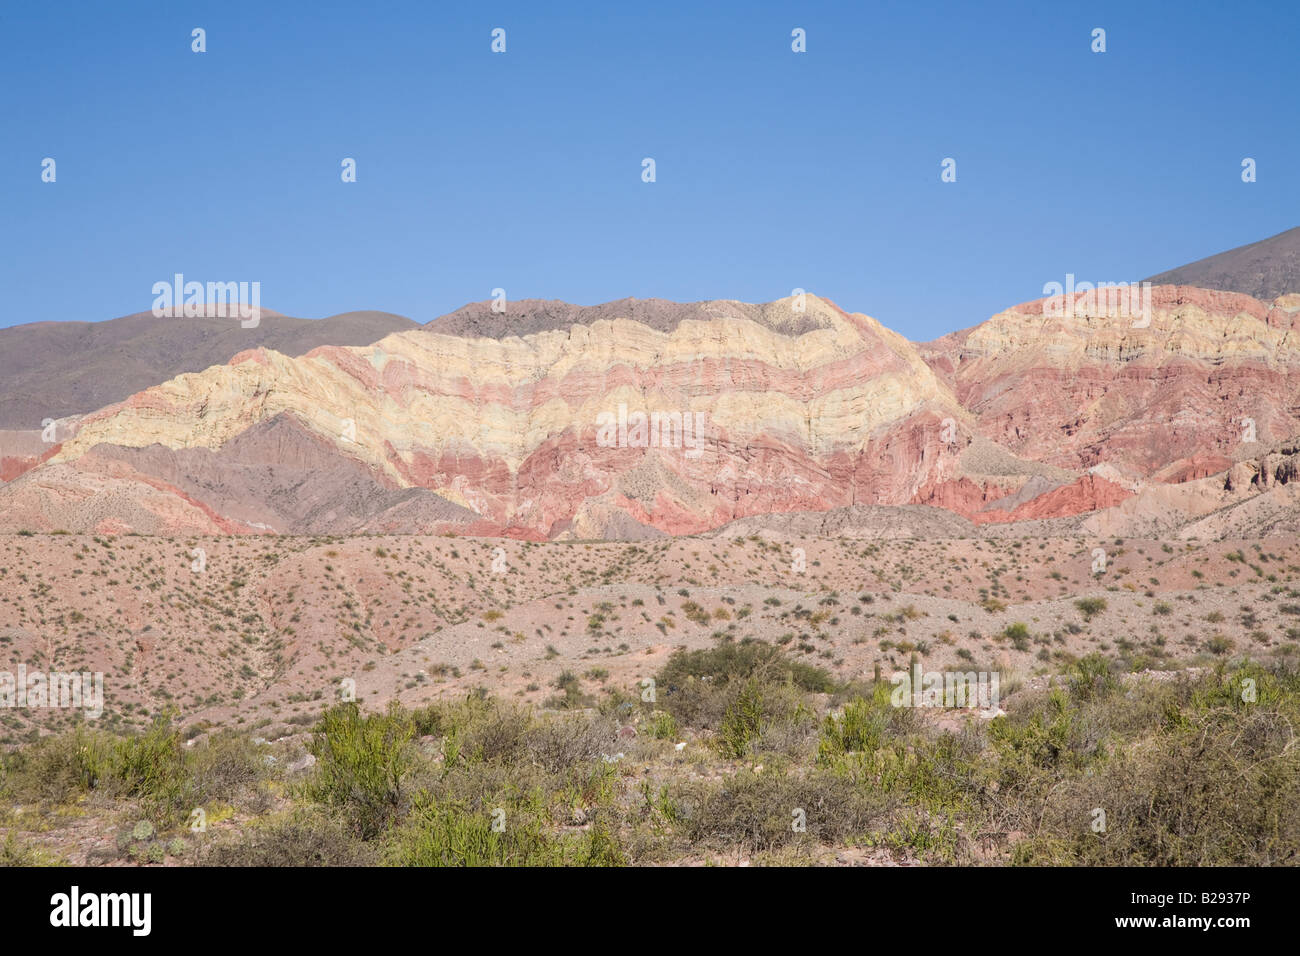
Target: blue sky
<point>522,170</point>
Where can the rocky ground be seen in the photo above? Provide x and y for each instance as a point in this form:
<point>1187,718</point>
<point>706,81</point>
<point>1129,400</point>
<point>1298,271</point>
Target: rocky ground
<point>271,626</point>
<point>258,636</point>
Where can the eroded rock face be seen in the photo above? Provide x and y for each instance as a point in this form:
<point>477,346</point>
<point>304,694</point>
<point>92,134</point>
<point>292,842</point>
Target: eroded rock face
<point>526,425</point>
<point>1211,373</point>
<point>21,451</point>
<point>788,410</point>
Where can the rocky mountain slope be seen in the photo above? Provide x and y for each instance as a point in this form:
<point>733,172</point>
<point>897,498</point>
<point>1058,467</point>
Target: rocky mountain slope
<point>58,369</point>
<point>1264,270</point>
<point>758,409</point>
<point>640,418</point>
<point>1183,392</point>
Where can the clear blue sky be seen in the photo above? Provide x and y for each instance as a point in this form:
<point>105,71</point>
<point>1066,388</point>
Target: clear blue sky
<point>523,170</point>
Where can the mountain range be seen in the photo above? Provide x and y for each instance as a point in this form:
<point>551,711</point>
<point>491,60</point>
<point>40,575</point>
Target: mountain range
<point>643,418</point>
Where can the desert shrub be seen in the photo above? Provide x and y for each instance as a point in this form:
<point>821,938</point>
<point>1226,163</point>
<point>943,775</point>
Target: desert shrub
<point>760,717</point>
<point>494,732</point>
<point>1203,771</point>
<point>700,688</point>
<point>1090,607</point>
<point>932,781</point>
<point>1195,799</point>
<point>307,837</point>
<point>790,728</point>
<point>1219,645</point>
<point>14,852</point>
<point>1018,635</point>
<point>225,766</point>
<point>742,722</point>
<point>560,743</point>
<point>1274,689</point>
<point>1091,678</point>
<point>864,724</point>
<point>1038,745</point>
<point>730,662</point>
<point>430,721</point>
<point>151,767</point>
<point>477,730</point>
<point>572,696</point>
<point>149,762</point>
<point>361,763</point>
<point>757,811</point>
<point>662,725</point>
<point>57,768</point>
<point>441,835</point>
<point>698,703</point>
<point>695,613</point>
<point>479,785</point>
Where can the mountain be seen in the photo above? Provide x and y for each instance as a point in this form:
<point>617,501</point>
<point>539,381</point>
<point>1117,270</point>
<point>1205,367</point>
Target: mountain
<point>759,408</point>
<point>1263,270</point>
<point>1185,391</point>
<point>58,369</point>
<point>639,418</point>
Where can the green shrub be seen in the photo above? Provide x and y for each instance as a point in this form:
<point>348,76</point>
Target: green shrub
<point>225,766</point>
<point>863,725</point>
<point>699,688</point>
<point>1018,635</point>
<point>1090,607</point>
<point>361,764</point>
<point>57,768</point>
<point>14,853</point>
<point>663,726</point>
<point>440,835</point>
<point>731,662</point>
<point>742,724</point>
<point>757,811</point>
<point>1092,678</point>
<point>1219,645</point>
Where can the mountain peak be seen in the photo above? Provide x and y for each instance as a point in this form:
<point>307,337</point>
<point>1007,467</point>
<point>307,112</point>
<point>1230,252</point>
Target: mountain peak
<point>1265,269</point>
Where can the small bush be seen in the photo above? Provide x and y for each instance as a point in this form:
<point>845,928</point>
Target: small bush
<point>437,835</point>
<point>361,763</point>
<point>307,837</point>
<point>1090,607</point>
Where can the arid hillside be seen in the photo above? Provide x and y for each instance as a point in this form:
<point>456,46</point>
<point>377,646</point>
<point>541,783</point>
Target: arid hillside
<point>270,626</point>
<point>644,418</point>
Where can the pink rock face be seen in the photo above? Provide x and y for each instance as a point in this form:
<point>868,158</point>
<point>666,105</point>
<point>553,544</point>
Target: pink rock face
<point>1089,493</point>
<point>21,451</point>
<point>963,496</point>
<point>1207,371</point>
<point>11,466</point>
<point>1050,409</point>
<point>1191,469</point>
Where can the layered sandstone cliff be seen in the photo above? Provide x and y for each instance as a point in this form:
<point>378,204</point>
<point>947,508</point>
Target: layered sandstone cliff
<point>528,423</point>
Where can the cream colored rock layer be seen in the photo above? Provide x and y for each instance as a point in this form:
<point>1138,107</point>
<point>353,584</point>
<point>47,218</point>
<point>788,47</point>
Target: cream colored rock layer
<point>1185,330</point>
<point>442,393</point>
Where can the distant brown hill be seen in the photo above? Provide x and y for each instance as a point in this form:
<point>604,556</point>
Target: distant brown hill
<point>1265,269</point>
<point>278,475</point>
<point>55,369</point>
